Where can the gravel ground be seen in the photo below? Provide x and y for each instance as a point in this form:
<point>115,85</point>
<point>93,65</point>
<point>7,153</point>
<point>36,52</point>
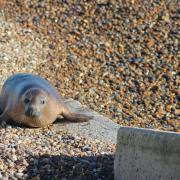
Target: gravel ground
<point>21,49</point>
<point>49,154</point>
<point>119,58</point>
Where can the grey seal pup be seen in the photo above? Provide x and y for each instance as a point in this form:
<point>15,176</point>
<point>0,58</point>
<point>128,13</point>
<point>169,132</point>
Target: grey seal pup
<point>33,101</point>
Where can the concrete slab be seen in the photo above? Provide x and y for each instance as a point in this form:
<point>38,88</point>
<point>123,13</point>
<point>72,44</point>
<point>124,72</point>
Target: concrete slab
<point>99,128</point>
<point>143,154</point>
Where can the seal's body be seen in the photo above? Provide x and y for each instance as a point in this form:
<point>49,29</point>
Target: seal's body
<point>31,100</point>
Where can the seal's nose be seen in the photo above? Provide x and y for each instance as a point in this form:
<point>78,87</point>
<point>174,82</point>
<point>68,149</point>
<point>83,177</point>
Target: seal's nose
<point>31,112</point>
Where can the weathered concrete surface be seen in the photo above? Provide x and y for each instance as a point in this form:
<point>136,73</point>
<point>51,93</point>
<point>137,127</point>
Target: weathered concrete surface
<point>99,127</point>
<point>144,154</point>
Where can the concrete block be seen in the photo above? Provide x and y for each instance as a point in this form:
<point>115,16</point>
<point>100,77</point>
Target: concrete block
<point>143,154</point>
<point>99,128</point>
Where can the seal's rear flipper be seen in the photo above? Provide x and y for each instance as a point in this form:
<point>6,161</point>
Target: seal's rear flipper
<point>75,117</point>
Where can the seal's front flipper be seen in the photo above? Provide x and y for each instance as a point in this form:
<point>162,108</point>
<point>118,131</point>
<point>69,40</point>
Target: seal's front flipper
<point>1,111</point>
<point>3,124</point>
<point>3,119</point>
<point>75,117</point>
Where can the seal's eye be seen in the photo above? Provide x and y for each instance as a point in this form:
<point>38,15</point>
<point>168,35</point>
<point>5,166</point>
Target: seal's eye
<point>26,100</point>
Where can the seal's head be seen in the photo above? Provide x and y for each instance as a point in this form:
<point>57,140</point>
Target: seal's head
<point>34,101</point>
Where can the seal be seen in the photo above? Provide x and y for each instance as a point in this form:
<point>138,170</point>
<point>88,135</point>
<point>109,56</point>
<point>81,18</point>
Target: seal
<point>33,101</point>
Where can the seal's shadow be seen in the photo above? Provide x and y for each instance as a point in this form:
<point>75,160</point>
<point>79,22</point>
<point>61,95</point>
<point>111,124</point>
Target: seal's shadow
<point>59,120</point>
<point>62,120</point>
<point>14,124</point>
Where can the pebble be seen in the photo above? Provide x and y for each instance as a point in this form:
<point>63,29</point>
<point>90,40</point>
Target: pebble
<point>19,175</point>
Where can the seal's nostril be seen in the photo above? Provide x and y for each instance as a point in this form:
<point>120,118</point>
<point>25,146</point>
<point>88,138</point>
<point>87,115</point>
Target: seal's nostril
<point>30,111</point>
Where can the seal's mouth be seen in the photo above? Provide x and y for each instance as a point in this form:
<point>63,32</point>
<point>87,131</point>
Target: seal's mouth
<point>31,112</point>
